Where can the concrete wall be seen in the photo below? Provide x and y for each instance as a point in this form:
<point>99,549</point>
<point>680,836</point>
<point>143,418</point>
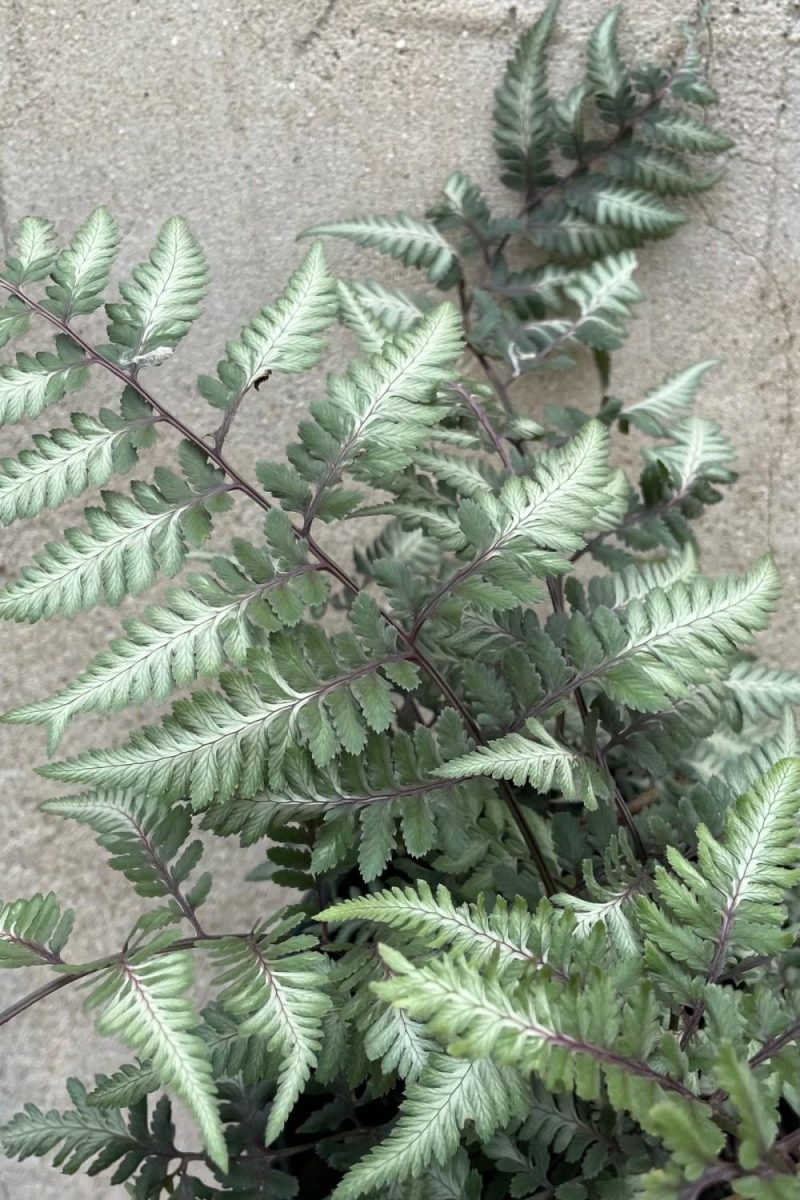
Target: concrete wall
<point>255,118</point>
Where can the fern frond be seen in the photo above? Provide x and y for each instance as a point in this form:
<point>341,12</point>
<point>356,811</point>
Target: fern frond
<point>370,333</point>
<point>524,531</point>
<point>394,309</point>
<point>730,905</point>
<point>609,202</point>
<point>634,582</point>
<point>81,272</point>
<point>434,1112</point>
<point>667,403</point>
<point>33,932</point>
<point>610,901</point>
<point>569,1038</point>
<point>682,132</point>
<point>14,320</point>
<point>145,838</point>
<point>81,1134</point>
<point>697,450</point>
<point>537,758</point>
<point>143,1001</point>
<point>125,1088</point>
<point>199,629</point>
<point>604,294</point>
<point>755,1105</point>
<point>559,228</point>
<point>123,546</point>
<point>740,764</point>
<point>605,72</point>
<point>414,242</point>
<point>285,336</point>
<point>373,418</point>
<point>657,170</point>
<point>674,637</point>
<point>35,246</point>
<point>759,690</point>
<point>218,744</point>
<point>276,990</point>
<point>389,1037</point>
<point>66,462</point>
<point>508,933</point>
<point>36,382</point>
<point>162,300</point>
<point>521,108</point>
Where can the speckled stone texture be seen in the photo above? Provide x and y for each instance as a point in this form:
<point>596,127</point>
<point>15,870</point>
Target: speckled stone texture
<point>255,119</point>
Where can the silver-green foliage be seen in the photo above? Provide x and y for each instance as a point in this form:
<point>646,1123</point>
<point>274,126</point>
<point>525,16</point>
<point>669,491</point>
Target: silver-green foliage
<point>536,804</point>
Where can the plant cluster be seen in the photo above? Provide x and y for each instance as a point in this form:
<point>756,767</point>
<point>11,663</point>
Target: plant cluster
<point>537,802</point>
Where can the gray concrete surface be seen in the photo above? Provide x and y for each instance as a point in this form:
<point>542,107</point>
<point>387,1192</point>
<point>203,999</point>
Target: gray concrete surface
<point>255,118</point>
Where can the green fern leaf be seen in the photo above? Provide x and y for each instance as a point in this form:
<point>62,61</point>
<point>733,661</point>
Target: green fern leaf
<point>634,582</point>
<point>163,299</point>
<point>416,243</point>
<point>604,295</point>
<point>143,836</point>
<point>657,170</point>
<point>507,933</point>
<point>82,1133</point>
<point>538,759</point>
<point>560,229</point>
<point>33,932</point>
<point>692,1138</point>
<point>143,1001</point>
<point>119,551</point>
<point>523,531</point>
<point>197,632</point>
<point>570,1039</point>
<point>125,1088</point>
<point>435,1110</point>
<point>370,333</point>
<point>609,202</point>
<point>393,309</point>
<point>759,690</point>
<point>663,405</point>
<point>34,243</point>
<point>66,462</point>
<point>680,131</point>
<point>605,72</point>
<point>276,991</point>
<point>758,1117</point>
<point>81,272</point>
<point>738,884</point>
<point>698,450</point>
<point>36,382</point>
<point>218,744</point>
<point>676,636</point>
<point>373,419</point>
<point>286,336</point>
<point>610,901</point>
<point>521,108</point>
<point>14,320</point>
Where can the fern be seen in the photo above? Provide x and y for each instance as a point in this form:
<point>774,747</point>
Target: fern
<point>144,1003</point>
<point>33,932</point>
<point>66,462</point>
<point>123,545</point>
<point>415,243</point>
<point>284,337</point>
<point>521,112</point>
<point>275,994</point>
<point>503,760</point>
<point>159,305</point>
<point>436,1108</point>
<point>81,272</point>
